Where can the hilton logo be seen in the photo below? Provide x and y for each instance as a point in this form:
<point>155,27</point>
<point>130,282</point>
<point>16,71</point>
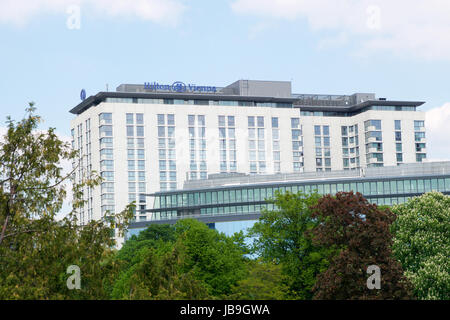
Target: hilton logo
<point>178,86</point>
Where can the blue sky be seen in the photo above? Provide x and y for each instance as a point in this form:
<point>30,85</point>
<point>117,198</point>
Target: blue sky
<point>399,51</point>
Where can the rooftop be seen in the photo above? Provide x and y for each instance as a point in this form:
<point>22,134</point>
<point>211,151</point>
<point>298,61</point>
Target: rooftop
<point>240,179</point>
<point>243,90</point>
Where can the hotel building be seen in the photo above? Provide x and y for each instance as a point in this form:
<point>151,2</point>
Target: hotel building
<point>151,138</point>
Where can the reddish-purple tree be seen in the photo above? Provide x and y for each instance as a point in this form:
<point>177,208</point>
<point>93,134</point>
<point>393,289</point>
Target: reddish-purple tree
<point>360,232</point>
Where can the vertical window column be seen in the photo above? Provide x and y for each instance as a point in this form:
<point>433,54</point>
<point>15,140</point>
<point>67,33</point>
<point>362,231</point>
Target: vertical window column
<point>136,162</point>
<point>257,144</point>
<point>374,143</point>
<point>227,144</point>
<point>323,156</point>
<point>106,163</point>
<point>419,139</point>
<point>197,147</point>
<point>167,152</point>
<point>350,147</point>
<point>276,145</point>
<point>398,141</point>
<point>297,145</point>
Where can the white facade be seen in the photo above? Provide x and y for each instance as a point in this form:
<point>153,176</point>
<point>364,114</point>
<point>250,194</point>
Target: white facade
<point>221,139</point>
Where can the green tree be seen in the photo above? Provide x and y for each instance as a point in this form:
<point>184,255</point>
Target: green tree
<point>158,274</point>
<point>154,236</point>
<point>205,258</point>
<point>281,235</point>
<point>213,257</point>
<point>360,233</point>
<point>35,248</point>
<point>263,281</point>
<point>422,244</point>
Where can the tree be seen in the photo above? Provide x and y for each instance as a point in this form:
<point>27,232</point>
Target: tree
<point>154,236</point>
<point>157,274</point>
<point>204,258</point>
<point>35,248</point>
<point>360,233</point>
<point>263,281</point>
<point>281,236</point>
<point>213,257</point>
<point>422,244</point>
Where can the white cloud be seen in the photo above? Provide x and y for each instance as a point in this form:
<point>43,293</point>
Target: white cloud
<point>405,27</point>
<point>438,133</point>
<point>20,12</point>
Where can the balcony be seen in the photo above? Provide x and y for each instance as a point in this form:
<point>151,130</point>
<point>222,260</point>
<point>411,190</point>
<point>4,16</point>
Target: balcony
<point>421,140</point>
<point>106,157</point>
<point>107,202</point>
<point>374,150</point>
<point>421,150</point>
<point>373,140</point>
<point>374,160</point>
<point>371,128</point>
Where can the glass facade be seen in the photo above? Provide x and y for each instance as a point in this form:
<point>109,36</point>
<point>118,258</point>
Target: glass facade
<point>251,199</point>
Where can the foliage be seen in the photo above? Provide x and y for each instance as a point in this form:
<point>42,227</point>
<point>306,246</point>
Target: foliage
<point>360,231</point>
<point>205,260</point>
<point>422,244</point>
<point>263,281</point>
<point>35,248</point>
<point>157,275</point>
<point>281,236</point>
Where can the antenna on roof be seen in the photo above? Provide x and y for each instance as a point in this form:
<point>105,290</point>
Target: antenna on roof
<point>107,89</point>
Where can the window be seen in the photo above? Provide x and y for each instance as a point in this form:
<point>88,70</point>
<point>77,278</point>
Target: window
<point>221,121</point>
<point>318,141</point>
<point>275,134</point>
<point>161,119</point>
<point>106,131</point>
<point>260,133</point>
<point>130,131</point>
<point>260,122</point>
<point>317,130</point>
<point>419,135</point>
<point>139,118</point>
<point>398,125</point>
<point>106,142</point>
<point>201,120</point>
<point>418,125</point>
<point>326,130</point>
<point>129,117</point>
<point>345,142</point>
<point>420,157</point>
<point>171,119</point>
<point>274,122</point>
<point>296,134</point>
<point>372,123</point>
<point>276,156</point>
<point>140,131</point>
<point>105,118</point>
<point>161,131</point>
